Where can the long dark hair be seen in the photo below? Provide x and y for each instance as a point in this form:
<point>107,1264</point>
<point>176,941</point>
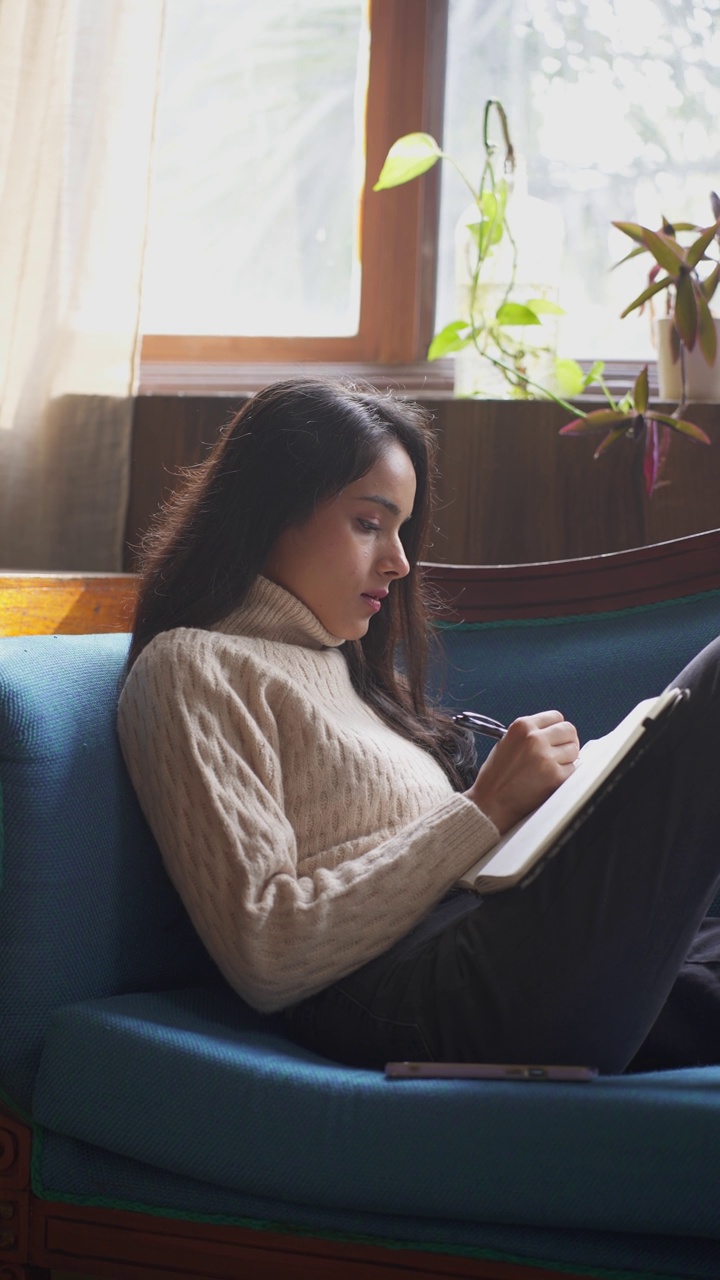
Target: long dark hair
<point>294,445</point>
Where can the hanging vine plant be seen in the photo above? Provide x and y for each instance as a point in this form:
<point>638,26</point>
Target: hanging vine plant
<point>488,331</point>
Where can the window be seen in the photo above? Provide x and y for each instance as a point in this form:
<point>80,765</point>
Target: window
<point>271,112</point>
<point>260,157</point>
<point>270,115</point>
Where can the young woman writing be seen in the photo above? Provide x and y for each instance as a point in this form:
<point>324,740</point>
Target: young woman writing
<point>314,813</point>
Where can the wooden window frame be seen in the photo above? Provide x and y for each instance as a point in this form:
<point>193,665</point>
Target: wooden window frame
<point>399,228</point>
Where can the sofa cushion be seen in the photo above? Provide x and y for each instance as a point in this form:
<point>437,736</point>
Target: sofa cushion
<point>66,1169</point>
<point>194,1083</point>
<point>86,908</point>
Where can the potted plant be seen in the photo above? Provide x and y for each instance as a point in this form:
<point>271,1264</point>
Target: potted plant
<point>688,333</point>
<point>633,418</point>
<point>500,323</point>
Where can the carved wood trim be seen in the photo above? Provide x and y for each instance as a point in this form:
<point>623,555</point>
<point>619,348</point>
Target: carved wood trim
<point>15,1145</point>
<point>595,584</point>
<point>14,1229</point>
<point>120,1244</point>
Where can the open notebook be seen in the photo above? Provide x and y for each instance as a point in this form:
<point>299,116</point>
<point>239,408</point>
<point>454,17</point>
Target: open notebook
<point>601,762</point>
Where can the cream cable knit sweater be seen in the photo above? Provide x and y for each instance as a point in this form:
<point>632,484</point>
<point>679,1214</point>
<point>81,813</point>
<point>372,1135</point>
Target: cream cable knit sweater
<point>303,835</point>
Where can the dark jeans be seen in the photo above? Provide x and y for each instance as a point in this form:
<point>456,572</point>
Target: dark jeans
<point>603,959</point>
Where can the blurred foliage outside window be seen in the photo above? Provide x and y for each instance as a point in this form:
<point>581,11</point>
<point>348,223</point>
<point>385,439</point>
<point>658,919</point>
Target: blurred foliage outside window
<point>254,223</point>
<point>614,105</point>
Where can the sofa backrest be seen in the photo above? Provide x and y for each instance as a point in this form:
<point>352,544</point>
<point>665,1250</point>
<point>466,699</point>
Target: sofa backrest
<point>86,908</point>
<point>592,667</point>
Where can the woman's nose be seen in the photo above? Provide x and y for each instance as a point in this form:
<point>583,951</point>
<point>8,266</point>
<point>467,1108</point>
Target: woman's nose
<point>396,562</point>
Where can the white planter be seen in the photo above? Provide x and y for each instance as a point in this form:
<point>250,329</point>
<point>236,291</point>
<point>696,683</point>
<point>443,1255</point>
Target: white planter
<point>702,379</point>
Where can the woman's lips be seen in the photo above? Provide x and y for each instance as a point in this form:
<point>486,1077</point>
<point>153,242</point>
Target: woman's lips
<point>373,601</point>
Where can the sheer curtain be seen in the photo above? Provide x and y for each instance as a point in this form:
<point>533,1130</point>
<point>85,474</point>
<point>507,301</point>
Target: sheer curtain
<point>78,88</point>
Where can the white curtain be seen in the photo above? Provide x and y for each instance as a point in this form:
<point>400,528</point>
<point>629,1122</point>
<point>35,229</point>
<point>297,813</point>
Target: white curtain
<point>78,89</point>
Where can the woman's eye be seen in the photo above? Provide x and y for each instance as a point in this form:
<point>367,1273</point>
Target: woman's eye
<point>368,525</point>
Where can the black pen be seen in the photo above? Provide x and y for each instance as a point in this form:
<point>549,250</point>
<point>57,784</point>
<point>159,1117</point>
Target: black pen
<point>480,724</point>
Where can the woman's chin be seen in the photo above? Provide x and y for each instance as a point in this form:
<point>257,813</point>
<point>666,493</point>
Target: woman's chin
<point>355,631</point>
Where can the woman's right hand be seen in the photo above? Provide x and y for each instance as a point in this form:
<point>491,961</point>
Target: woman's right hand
<point>536,754</point>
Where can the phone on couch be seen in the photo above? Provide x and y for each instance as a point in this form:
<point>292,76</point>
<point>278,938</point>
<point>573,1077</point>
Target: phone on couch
<point>486,1071</point>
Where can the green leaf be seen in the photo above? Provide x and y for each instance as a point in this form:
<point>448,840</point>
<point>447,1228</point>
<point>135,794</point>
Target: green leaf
<point>641,391</point>
<point>634,253</point>
<point>595,371</point>
<point>485,235</point>
<point>665,251</point>
<point>651,290</point>
<point>597,421</point>
<point>685,428</point>
<point>448,340</point>
<point>616,434</point>
<point>492,204</point>
<point>698,247</point>
<point>569,377</point>
<point>544,307</point>
<point>489,231</point>
<point>494,232</point>
<point>407,158</point>
<point>686,312</point>
<point>632,229</point>
<point>514,313</point>
<point>488,205</point>
<point>642,247</point>
<point>707,335</point>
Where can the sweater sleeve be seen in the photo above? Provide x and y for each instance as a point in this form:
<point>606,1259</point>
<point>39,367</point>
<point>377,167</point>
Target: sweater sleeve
<point>209,780</point>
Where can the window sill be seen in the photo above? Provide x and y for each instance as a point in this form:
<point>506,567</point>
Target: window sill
<point>422,380</point>
<point>220,378</point>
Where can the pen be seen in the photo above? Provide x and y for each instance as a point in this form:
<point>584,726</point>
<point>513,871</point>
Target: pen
<point>480,724</point>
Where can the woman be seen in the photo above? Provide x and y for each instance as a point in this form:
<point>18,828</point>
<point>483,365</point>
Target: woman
<point>315,814</point>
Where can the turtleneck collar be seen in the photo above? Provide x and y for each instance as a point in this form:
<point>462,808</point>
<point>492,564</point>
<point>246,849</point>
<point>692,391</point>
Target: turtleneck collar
<point>269,612</point>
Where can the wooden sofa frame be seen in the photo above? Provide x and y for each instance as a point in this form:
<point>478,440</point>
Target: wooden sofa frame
<point>38,1236</point>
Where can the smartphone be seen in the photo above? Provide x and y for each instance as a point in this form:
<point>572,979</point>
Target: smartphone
<point>485,1071</point>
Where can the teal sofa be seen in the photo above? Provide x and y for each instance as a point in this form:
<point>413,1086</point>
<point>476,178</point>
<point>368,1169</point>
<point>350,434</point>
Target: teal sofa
<point>154,1125</point>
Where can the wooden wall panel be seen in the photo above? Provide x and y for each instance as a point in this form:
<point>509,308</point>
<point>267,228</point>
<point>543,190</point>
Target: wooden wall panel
<point>169,432</point>
<point>511,489</point>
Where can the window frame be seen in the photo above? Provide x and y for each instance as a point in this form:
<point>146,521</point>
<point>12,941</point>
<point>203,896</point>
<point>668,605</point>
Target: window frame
<point>399,228</point>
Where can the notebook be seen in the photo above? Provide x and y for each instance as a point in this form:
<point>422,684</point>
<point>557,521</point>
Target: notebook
<point>602,761</point>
